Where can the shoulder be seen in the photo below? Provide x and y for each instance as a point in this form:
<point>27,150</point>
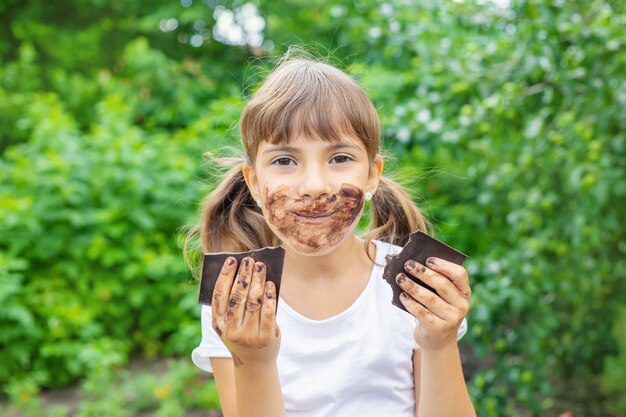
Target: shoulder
<point>382,287</point>
<point>383,249</point>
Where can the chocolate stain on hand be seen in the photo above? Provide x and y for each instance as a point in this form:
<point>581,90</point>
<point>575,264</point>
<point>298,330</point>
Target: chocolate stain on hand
<point>317,224</point>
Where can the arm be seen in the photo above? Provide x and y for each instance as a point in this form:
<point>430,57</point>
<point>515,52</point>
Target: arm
<point>439,384</point>
<point>224,375</point>
<point>244,316</point>
<point>445,393</point>
<point>417,357</point>
<point>227,388</point>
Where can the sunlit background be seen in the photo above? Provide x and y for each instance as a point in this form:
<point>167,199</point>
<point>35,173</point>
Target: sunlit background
<point>506,119</point>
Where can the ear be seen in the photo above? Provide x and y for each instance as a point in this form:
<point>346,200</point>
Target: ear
<point>249,175</point>
<point>375,173</point>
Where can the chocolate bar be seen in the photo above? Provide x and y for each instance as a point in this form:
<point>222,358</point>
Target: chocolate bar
<point>212,264</point>
<point>419,248</point>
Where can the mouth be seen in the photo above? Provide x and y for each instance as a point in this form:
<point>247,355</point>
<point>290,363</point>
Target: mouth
<point>314,217</point>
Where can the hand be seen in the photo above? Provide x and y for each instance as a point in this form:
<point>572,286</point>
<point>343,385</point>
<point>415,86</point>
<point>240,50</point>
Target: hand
<point>244,312</point>
<point>439,315</point>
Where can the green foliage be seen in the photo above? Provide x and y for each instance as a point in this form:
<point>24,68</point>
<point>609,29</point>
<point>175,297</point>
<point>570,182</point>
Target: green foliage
<point>500,110</point>
<point>614,366</point>
<point>524,172</point>
<point>513,116</point>
<point>173,391</point>
<point>94,217</point>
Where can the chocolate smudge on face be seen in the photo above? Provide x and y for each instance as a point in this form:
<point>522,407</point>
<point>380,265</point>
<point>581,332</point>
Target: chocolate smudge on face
<point>313,225</point>
<point>355,194</point>
<point>351,192</point>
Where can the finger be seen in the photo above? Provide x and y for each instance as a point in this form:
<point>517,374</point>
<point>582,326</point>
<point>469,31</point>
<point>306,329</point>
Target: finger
<point>239,293</point>
<point>443,285</point>
<point>420,312</point>
<point>428,299</point>
<point>268,328</point>
<point>456,273</point>
<point>221,291</point>
<point>255,297</point>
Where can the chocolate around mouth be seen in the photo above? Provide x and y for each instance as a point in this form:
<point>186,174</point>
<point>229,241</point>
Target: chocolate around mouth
<point>308,215</point>
<point>322,207</point>
<point>334,214</point>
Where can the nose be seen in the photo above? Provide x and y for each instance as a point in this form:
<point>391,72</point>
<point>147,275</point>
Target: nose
<point>314,183</point>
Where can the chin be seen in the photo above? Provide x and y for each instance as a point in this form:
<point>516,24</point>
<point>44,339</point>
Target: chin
<point>315,244</point>
<point>306,250</point>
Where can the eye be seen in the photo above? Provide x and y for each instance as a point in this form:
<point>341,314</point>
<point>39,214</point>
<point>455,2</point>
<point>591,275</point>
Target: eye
<point>341,159</point>
<point>283,161</point>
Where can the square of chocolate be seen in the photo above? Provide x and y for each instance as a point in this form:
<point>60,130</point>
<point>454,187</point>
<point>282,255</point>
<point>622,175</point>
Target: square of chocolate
<point>419,248</point>
<point>212,263</point>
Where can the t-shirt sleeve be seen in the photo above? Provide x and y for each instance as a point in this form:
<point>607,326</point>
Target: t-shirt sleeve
<point>211,346</point>
<point>462,329</point>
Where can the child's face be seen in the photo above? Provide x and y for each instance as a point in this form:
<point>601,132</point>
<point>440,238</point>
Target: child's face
<point>312,191</point>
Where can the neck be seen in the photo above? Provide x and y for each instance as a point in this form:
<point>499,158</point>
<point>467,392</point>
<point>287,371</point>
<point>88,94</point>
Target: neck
<point>333,265</point>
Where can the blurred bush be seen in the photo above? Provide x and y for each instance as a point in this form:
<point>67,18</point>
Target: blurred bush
<point>88,223</point>
<point>172,388</point>
<point>512,115</point>
<point>613,382</point>
<point>517,115</point>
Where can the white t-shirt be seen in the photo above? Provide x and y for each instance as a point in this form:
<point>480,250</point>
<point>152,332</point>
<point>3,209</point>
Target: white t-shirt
<point>356,363</point>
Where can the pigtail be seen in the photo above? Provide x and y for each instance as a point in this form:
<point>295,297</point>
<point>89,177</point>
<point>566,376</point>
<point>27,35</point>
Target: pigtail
<point>394,215</point>
<point>231,221</point>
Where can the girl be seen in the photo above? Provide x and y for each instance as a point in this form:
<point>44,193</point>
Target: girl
<point>333,344</point>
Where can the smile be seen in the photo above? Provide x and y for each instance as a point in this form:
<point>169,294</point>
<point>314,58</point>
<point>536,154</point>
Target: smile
<point>316,217</point>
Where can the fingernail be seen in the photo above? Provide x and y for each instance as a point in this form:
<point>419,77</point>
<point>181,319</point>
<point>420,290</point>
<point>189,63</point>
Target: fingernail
<point>400,278</point>
<point>246,262</point>
<point>403,296</point>
<point>411,265</point>
<point>258,267</point>
<point>431,261</point>
<point>230,260</point>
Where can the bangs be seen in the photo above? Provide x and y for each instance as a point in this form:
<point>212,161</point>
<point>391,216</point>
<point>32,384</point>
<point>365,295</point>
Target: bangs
<point>309,100</point>
<point>314,117</point>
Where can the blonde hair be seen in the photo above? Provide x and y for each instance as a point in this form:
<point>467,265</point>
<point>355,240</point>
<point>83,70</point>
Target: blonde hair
<point>301,97</point>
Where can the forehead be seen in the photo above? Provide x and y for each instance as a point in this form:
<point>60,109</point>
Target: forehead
<point>304,144</point>
<point>323,120</point>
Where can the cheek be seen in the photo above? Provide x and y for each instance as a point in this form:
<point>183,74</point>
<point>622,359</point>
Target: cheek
<point>276,201</point>
<point>351,204</point>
